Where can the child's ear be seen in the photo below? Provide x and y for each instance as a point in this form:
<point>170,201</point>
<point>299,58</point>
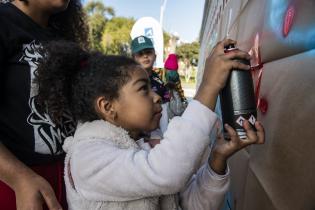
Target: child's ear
<point>105,109</point>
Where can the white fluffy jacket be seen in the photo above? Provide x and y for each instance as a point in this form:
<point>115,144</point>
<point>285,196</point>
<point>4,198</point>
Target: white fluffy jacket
<point>106,169</point>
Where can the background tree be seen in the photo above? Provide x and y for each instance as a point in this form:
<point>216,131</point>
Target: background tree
<point>98,14</point>
<point>116,36</point>
<point>189,51</point>
<point>188,54</point>
<point>166,38</point>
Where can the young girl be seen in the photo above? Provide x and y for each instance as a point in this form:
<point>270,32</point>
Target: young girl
<point>31,155</point>
<point>112,100</point>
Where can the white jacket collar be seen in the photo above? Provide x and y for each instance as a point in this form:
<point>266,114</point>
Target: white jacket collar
<point>100,129</point>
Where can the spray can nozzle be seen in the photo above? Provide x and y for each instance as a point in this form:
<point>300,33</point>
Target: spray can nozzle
<point>230,48</point>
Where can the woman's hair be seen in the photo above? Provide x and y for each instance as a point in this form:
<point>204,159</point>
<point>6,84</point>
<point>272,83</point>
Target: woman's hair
<point>70,79</point>
<point>69,24</point>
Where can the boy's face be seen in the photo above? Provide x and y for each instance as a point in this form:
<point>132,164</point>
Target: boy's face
<point>146,58</point>
<point>138,107</point>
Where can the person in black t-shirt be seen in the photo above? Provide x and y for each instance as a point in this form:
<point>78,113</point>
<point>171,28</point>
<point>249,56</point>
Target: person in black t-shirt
<point>31,156</point>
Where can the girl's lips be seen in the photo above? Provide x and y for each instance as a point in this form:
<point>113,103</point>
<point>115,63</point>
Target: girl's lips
<point>158,112</point>
<point>158,115</point>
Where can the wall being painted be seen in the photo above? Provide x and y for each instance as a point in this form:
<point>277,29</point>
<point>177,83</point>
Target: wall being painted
<point>280,36</point>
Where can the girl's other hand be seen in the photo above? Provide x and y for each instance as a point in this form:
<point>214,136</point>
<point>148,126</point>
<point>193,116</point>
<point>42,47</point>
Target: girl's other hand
<point>224,149</point>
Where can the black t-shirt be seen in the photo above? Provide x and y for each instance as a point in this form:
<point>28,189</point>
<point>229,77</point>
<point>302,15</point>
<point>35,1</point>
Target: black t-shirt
<point>25,130</point>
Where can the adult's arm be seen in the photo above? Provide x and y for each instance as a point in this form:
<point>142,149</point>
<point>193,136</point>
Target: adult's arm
<point>31,190</point>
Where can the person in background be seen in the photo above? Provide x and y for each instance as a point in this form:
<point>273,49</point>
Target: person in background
<point>31,155</point>
<point>106,165</point>
<point>172,77</point>
<point>178,101</point>
<point>143,52</point>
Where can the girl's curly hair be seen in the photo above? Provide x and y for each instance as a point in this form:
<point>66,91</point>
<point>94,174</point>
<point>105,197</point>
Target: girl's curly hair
<point>70,79</point>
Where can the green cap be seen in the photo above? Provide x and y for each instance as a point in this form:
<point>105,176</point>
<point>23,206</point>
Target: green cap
<point>140,43</point>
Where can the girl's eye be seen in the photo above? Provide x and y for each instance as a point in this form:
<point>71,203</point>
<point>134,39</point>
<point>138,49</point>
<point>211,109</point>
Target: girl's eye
<point>144,88</point>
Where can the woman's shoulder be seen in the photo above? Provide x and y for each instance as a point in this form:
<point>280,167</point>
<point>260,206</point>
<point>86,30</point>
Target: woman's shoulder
<point>8,18</point>
<point>3,14</point>
<point>5,25</point>
<point>13,18</point>
<point>6,10</point>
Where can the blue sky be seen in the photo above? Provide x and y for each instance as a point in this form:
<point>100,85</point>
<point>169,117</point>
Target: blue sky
<point>181,16</point>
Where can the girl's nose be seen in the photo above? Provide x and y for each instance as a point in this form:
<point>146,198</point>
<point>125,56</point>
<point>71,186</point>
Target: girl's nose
<point>156,97</point>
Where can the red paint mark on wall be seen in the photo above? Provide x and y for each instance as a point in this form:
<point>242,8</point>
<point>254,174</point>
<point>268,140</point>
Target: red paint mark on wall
<point>288,20</point>
<point>262,105</point>
<point>256,65</point>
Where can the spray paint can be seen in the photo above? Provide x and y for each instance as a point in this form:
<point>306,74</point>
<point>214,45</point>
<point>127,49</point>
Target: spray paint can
<point>238,99</point>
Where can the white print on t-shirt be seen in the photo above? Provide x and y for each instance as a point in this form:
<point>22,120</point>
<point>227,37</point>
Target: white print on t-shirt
<point>48,137</point>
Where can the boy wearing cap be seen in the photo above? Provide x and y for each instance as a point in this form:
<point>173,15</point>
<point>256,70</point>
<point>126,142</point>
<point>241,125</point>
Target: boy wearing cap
<point>143,52</point>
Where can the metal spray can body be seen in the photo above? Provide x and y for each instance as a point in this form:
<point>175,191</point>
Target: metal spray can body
<point>238,100</point>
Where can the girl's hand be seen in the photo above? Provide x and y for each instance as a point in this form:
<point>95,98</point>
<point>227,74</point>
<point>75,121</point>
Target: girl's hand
<point>224,149</point>
<point>32,191</point>
<point>217,69</point>
<point>219,64</point>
